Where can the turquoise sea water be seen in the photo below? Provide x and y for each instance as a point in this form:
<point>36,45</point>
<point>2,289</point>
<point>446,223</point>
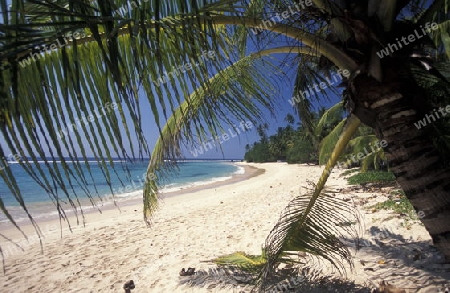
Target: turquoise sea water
<point>124,185</point>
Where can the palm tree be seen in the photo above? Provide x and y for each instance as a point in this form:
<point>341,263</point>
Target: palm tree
<point>197,71</point>
<point>289,119</point>
<point>364,140</point>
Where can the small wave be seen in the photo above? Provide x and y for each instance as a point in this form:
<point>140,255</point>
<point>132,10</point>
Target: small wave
<point>46,210</point>
<point>20,216</point>
<point>130,194</point>
<point>166,189</point>
<point>71,162</point>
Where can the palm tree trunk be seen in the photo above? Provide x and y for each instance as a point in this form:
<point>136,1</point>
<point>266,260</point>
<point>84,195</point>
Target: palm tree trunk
<point>392,107</point>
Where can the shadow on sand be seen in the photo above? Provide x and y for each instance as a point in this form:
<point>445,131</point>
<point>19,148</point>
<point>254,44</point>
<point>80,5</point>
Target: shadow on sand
<point>235,280</point>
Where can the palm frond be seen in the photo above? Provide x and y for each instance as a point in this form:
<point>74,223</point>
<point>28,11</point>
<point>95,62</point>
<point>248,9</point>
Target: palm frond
<point>309,223</point>
<point>330,115</point>
<point>372,160</point>
<point>316,234</point>
<point>436,10</point>
<point>243,261</point>
<point>358,144</point>
<point>329,142</point>
<point>304,94</point>
<point>124,51</point>
<point>441,37</point>
<point>366,144</point>
<point>201,112</point>
<point>193,122</point>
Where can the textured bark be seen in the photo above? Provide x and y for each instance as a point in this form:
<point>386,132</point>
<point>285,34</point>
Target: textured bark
<point>394,106</point>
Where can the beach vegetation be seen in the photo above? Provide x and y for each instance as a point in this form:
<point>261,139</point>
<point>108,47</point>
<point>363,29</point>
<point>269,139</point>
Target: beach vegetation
<point>287,144</point>
<point>400,205</point>
<point>295,146</point>
<point>360,151</point>
<point>300,146</point>
<point>371,177</point>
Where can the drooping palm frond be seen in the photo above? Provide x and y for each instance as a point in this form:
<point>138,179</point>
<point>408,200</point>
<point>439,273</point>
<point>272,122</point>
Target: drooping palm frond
<point>329,116</point>
<point>310,223</point>
<point>303,95</point>
<point>328,143</point>
<point>317,239</point>
<point>316,233</point>
<point>201,111</point>
<point>306,225</point>
<point>70,87</point>
<point>369,146</point>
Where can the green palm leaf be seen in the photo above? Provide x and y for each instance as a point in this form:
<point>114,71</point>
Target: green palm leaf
<point>318,235</point>
<point>332,114</point>
<point>328,143</point>
<point>245,262</point>
<point>195,119</point>
<point>311,223</point>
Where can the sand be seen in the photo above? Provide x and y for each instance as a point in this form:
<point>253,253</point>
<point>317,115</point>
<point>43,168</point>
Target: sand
<point>198,225</point>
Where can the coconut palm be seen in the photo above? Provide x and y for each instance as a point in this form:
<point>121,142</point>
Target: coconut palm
<point>364,141</point>
<point>196,67</point>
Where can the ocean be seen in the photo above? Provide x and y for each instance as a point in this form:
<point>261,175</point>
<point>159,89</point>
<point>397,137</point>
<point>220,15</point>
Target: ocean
<point>125,186</point>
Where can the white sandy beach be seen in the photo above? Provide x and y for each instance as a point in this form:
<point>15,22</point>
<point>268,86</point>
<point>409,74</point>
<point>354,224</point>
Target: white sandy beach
<point>193,227</point>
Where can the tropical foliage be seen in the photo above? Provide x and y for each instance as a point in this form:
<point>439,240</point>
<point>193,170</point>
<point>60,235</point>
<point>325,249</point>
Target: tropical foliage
<point>300,146</point>
<point>293,145</point>
<point>311,223</point>
<point>118,51</point>
<point>371,177</point>
<point>287,144</point>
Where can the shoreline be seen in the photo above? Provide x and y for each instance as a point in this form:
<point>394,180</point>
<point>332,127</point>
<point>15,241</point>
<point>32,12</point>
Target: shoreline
<point>111,207</point>
<point>249,172</point>
<point>191,229</point>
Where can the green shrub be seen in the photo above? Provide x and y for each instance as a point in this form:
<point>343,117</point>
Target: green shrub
<point>371,177</point>
<point>400,205</point>
<point>301,152</point>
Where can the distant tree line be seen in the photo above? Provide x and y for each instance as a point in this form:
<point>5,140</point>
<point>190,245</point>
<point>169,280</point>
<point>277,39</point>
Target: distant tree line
<point>314,143</point>
<point>290,144</point>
